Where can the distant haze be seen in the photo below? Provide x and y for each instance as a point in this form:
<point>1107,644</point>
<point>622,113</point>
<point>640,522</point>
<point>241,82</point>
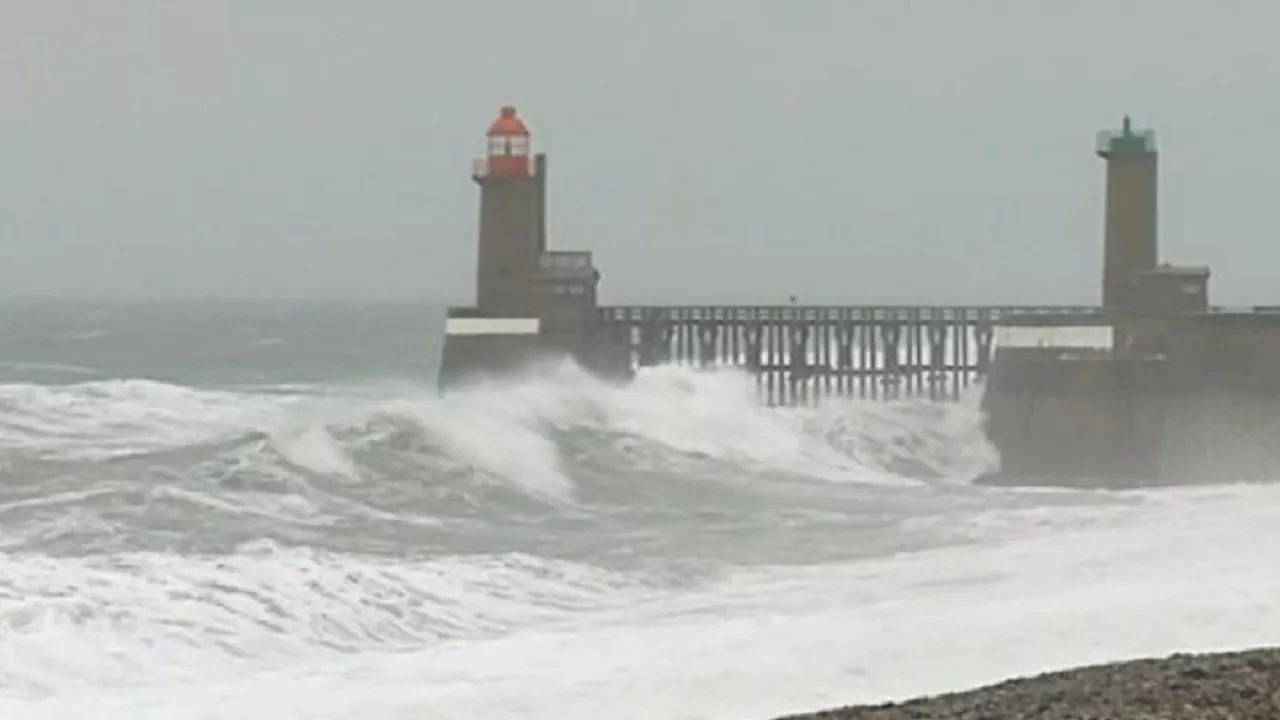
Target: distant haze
<point>846,151</point>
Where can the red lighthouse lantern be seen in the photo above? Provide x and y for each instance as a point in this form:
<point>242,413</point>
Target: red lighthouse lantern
<point>508,139</point>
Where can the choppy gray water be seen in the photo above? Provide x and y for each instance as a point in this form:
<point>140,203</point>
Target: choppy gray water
<point>217,510</point>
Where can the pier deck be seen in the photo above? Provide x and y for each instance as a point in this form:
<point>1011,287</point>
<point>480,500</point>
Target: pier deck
<point>802,354</point>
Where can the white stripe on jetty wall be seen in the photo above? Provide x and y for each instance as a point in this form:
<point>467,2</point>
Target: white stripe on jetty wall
<point>1085,337</point>
<point>492,326</point>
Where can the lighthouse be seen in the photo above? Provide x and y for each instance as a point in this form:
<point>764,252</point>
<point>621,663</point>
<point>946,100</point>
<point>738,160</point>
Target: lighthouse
<point>512,215</point>
<point>1134,279</point>
<point>1130,245</point>
<point>530,302</point>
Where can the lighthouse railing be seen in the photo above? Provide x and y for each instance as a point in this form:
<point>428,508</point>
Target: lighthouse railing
<point>480,167</point>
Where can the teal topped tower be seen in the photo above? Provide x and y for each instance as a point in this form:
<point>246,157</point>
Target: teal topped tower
<point>1126,140</point>
<point>1130,238</point>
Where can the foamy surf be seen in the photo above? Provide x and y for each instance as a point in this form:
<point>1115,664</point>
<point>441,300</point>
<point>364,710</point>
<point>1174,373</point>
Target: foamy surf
<point>557,547</point>
<point>266,633</point>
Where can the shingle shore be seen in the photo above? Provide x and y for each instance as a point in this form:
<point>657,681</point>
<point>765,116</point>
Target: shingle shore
<point>1241,685</point>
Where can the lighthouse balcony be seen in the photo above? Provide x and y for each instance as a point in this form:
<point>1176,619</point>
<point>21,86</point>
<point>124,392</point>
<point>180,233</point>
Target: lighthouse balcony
<point>1133,140</point>
<point>566,264</point>
<point>504,166</point>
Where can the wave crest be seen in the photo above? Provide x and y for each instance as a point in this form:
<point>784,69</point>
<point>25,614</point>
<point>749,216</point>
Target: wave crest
<point>315,456</point>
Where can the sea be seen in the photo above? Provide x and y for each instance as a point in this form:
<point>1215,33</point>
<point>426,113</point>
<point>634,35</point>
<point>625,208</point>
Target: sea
<point>265,510</point>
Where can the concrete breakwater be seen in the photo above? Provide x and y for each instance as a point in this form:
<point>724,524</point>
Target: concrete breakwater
<point>1240,685</point>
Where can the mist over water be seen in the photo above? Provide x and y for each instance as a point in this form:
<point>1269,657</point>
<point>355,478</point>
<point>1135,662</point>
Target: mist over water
<point>286,534</point>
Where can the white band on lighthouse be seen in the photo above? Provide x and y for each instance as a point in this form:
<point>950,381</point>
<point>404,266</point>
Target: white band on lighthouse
<point>492,326</point>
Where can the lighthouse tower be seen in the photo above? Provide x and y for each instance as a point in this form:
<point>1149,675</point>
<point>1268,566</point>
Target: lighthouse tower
<point>530,302</point>
<point>1129,244</point>
<point>512,217</point>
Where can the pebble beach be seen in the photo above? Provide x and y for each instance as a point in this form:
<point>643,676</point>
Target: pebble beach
<point>1241,685</point>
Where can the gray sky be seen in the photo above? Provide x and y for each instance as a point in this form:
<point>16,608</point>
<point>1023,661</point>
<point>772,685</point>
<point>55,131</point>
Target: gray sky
<point>849,151</point>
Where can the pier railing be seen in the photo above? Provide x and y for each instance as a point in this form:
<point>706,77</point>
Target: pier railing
<point>801,354</point>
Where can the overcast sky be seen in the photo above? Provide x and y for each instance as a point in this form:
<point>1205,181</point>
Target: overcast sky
<point>847,151</point>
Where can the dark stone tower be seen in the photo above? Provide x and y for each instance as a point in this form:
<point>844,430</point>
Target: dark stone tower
<point>530,302</point>
<point>512,217</point>
<point>1129,239</point>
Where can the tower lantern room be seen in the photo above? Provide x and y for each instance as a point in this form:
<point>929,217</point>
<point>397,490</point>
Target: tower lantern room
<point>508,146</point>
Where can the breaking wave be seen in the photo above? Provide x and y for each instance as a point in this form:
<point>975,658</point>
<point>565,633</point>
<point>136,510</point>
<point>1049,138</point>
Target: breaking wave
<point>167,547</point>
<point>533,434</point>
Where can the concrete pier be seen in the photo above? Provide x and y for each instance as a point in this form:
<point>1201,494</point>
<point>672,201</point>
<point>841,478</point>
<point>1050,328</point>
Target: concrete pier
<point>1159,387</point>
